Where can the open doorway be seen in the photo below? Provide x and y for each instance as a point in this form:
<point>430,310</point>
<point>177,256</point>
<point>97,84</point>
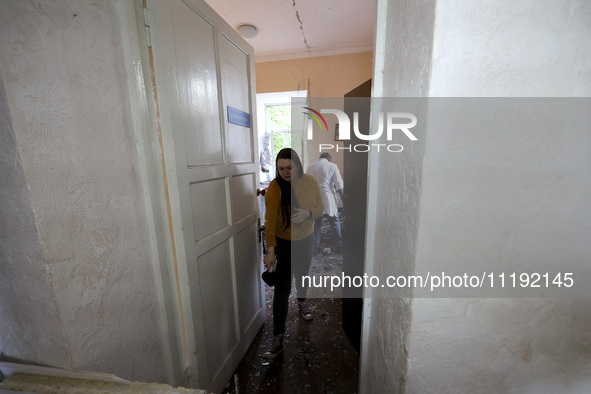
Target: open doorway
<point>319,357</point>
<point>274,125</point>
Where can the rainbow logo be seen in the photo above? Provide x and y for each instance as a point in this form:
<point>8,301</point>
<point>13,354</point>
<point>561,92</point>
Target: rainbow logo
<point>316,117</point>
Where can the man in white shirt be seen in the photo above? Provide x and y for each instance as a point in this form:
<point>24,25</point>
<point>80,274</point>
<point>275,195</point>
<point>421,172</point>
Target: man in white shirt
<point>329,178</point>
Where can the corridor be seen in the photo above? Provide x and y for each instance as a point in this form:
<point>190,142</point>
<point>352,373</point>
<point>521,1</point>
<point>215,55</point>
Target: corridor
<point>128,219</point>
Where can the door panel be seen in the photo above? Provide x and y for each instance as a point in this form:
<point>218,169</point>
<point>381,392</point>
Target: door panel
<point>201,66</point>
<point>243,200</point>
<point>356,166</point>
<point>247,280</point>
<point>215,273</point>
<point>211,193</point>
<point>198,106</point>
<point>234,68</point>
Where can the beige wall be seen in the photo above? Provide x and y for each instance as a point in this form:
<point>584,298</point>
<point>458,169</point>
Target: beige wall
<point>330,76</point>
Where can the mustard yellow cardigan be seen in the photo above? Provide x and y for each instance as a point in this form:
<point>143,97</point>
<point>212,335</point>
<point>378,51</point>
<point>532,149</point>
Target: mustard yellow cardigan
<point>308,194</point>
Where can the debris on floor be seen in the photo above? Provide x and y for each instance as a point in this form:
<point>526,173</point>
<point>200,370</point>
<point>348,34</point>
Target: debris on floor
<point>318,357</point>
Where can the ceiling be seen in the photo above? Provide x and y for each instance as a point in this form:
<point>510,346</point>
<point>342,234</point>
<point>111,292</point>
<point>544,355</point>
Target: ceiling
<point>289,29</point>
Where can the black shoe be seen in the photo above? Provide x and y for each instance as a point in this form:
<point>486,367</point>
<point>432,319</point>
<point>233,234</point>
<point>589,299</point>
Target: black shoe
<point>276,347</point>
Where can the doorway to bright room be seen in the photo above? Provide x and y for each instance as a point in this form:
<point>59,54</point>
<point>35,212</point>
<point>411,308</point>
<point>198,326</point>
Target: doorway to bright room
<point>275,132</point>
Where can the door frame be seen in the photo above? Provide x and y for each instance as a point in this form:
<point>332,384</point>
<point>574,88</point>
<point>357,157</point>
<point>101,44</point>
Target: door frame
<point>153,184</point>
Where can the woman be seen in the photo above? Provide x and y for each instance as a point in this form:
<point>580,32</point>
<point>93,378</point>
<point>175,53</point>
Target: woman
<point>293,202</point>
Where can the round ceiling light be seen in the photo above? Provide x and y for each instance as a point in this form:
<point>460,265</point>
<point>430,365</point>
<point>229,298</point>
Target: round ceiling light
<point>247,31</point>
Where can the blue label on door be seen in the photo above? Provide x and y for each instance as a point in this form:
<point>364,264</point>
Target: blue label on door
<point>238,117</point>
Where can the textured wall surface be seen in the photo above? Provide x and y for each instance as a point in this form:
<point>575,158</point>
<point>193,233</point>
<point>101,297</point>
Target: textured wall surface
<point>503,48</point>
<point>402,59</point>
<point>30,327</point>
<point>62,63</point>
<point>516,201</point>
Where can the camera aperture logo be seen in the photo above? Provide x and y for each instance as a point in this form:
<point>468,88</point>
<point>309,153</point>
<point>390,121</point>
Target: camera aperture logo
<point>395,122</point>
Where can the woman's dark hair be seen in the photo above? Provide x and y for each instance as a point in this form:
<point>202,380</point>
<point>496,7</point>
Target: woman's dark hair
<point>288,199</point>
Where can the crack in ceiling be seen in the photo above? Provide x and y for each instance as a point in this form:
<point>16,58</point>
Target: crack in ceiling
<point>332,26</point>
<point>297,14</point>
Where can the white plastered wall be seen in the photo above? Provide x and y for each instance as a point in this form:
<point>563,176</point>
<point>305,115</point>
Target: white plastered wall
<point>479,49</point>
<point>506,49</point>
<point>401,69</point>
<point>27,310</point>
<point>83,257</point>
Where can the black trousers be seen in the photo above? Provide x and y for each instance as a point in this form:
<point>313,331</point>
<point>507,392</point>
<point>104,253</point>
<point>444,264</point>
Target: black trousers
<point>293,256</point>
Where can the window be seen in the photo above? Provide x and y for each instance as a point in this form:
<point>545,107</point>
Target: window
<point>275,131</point>
<point>278,121</point>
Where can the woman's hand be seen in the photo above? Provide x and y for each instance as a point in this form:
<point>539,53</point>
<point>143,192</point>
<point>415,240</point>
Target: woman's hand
<point>300,215</point>
<point>270,260</point>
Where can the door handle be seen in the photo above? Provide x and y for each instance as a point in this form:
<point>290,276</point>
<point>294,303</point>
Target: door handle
<point>261,192</point>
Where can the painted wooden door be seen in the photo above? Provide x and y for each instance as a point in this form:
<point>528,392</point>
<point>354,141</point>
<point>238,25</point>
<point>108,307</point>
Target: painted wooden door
<point>203,75</point>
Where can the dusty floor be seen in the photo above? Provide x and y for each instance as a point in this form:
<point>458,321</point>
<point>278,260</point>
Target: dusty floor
<point>318,357</point>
